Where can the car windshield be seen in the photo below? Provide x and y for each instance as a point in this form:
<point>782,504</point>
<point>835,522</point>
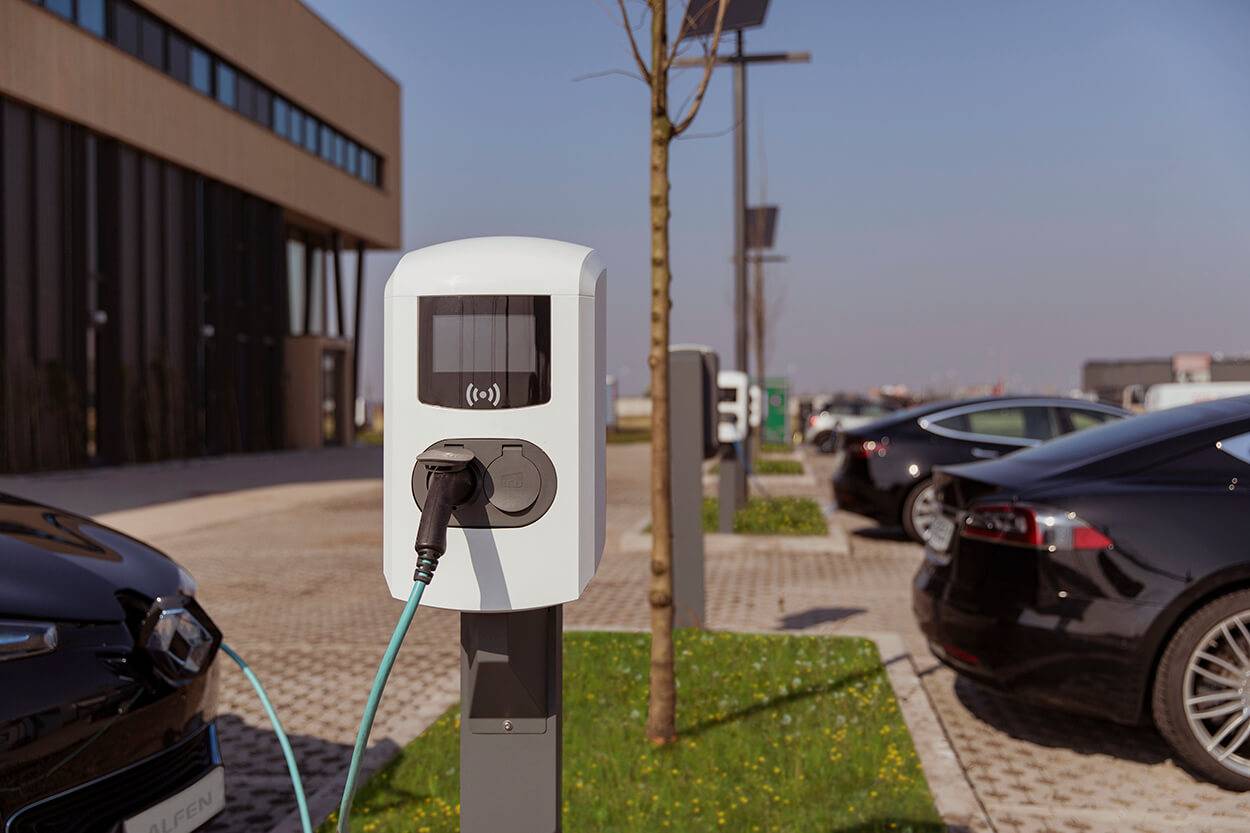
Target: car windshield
<point>1124,434</point>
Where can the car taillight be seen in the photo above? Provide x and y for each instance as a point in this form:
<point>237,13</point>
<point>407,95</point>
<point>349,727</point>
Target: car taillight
<point>1036,527</point>
<point>867,448</point>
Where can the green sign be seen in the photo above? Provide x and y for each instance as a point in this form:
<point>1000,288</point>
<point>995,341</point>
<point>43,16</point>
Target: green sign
<point>777,411</point>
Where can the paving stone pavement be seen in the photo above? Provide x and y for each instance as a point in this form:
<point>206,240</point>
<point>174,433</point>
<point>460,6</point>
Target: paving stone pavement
<point>297,590</point>
<point>1034,770</point>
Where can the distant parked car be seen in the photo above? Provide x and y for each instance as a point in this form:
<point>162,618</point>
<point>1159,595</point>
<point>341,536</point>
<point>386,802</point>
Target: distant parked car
<point>1108,573</point>
<point>1176,394</point>
<point>107,690</point>
<point>823,426</point>
<point>885,468</point>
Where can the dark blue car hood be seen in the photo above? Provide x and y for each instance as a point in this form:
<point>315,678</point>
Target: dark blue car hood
<point>55,565</point>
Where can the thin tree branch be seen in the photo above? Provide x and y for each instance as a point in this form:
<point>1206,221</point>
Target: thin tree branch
<point>603,72</point>
<point>633,44</point>
<point>686,18</point>
<point>710,64</point>
<point>714,134</point>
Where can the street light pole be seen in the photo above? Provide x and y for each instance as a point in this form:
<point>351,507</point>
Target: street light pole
<point>740,208</point>
<point>735,462</point>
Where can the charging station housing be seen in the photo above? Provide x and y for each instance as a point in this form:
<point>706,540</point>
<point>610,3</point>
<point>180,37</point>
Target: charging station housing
<point>496,345</point>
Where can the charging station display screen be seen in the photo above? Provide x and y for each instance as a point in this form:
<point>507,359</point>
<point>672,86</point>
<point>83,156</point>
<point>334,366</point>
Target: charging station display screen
<point>485,351</point>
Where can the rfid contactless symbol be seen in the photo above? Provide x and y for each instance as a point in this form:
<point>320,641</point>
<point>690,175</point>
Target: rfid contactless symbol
<point>473,395</point>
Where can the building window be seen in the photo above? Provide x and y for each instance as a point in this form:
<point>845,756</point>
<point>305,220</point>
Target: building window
<point>327,144</point>
<point>281,117</point>
<point>297,125</point>
<point>201,71</point>
<point>125,30</point>
<point>179,52</point>
<point>63,8</point>
<point>296,285</point>
<point>246,91</point>
<point>226,80</point>
<point>353,158</point>
<point>264,106</point>
<point>310,134</point>
<point>152,42</point>
<point>91,16</point>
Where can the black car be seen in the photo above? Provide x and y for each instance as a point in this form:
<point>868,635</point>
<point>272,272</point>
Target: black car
<point>107,685</point>
<point>885,469</point>
<point>1108,573</point>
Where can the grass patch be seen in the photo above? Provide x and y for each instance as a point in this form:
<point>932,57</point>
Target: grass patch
<point>629,435</point>
<point>777,733</point>
<point>369,436</point>
<point>768,465</point>
<point>776,448</point>
<point>770,516</point>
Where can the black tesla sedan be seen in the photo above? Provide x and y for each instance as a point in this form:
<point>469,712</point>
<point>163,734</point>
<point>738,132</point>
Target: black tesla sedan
<point>107,690</point>
<point>884,469</point>
<point>1108,573</point>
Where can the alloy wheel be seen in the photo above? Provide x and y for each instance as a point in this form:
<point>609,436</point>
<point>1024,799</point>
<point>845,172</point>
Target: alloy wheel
<point>924,509</point>
<point>1217,693</point>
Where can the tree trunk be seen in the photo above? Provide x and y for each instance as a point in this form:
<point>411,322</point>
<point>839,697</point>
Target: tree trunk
<point>662,710</point>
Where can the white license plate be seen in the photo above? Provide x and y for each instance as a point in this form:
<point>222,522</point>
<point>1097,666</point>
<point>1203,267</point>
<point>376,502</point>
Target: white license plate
<point>941,533</point>
<point>185,811</point>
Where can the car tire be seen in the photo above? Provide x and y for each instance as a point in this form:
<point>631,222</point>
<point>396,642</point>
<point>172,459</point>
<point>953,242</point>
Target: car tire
<point>1183,726</point>
<point>824,442</point>
<point>920,495</point>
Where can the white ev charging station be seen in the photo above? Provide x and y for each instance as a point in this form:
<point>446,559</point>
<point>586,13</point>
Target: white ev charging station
<point>731,430</point>
<point>755,406</point>
<point>495,373</point>
<point>732,406</point>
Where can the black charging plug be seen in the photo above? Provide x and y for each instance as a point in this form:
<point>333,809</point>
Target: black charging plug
<point>452,482</point>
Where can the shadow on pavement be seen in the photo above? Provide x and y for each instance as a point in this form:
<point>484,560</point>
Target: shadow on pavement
<point>890,825</point>
<point>1056,729</point>
<point>882,533</point>
<point>115,488</point>
<point>258,788</point>
<point>818,616</point>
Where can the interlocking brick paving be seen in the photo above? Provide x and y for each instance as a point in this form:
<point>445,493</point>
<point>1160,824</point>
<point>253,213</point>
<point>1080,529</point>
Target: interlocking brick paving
<point>299,591</point>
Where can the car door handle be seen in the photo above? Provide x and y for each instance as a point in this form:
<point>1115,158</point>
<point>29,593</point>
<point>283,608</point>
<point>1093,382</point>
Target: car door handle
<point>985,453</point>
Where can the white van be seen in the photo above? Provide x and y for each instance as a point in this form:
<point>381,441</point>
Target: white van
<point>1175,394</point>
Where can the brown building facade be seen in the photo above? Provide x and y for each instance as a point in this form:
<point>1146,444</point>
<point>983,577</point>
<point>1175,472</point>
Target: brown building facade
<point>181,185</point>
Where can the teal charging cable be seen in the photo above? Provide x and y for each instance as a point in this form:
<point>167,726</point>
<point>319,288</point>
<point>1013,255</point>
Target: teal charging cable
<point>366,720</point>
<point>375,696</point>
<point>291,766</point>
<point>451,484</point>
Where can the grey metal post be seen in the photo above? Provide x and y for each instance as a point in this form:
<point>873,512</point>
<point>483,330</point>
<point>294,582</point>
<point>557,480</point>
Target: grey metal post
<point>740,251</point>
<point>732,494</point>
<point>688,425</point>
<point>511,681</point>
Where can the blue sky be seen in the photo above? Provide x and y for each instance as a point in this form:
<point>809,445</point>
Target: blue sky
<point>970,189</point>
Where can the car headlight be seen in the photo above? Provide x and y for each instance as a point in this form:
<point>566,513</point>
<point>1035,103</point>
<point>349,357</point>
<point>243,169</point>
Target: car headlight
<point>187,584</point>
<point>19,640</point>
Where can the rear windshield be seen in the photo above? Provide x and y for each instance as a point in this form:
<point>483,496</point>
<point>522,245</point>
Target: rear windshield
<point>1134,432</point>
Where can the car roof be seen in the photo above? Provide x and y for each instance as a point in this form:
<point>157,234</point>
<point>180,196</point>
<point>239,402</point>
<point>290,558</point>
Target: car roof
<point>1137,440</point>
<point>927,408</point>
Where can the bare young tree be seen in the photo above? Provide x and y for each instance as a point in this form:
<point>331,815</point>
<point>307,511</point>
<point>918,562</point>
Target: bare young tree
<point>665,127</point>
